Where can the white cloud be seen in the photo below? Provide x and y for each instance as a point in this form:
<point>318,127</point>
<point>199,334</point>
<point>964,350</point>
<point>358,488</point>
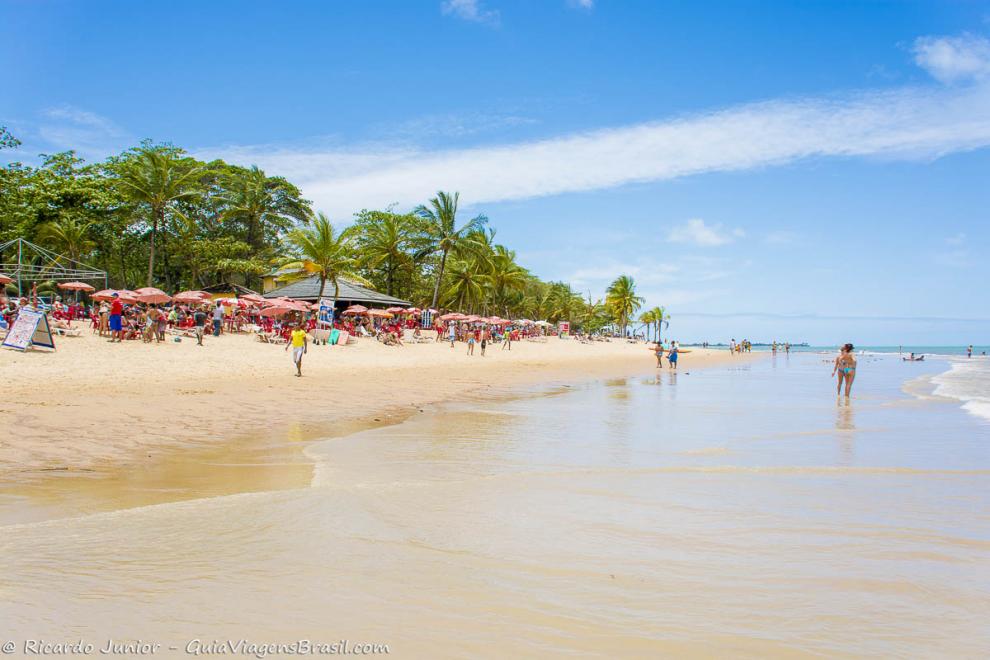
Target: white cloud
<point>91,135</point>
<point>696,232</point>
<point>958,239</point>
<point>954,59</point>
<point>582,4</point>
<point>905,123</point>
<point>469,10</point>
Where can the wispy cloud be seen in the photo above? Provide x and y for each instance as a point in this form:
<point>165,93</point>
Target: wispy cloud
<point>470,10</point>
<point>66,127</point>
<point>582,4</point>
<point>913,122</point>
<point>954,59</point>
<point>696,232</point>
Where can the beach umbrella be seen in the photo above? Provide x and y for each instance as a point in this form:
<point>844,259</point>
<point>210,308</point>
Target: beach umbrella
<point>381,313</point>
<point>298,305</point>
<point>413,310</point>
<point>453,316</point>
<point>5,279</point>
<point>252,298</point>
<point>277,310</point>
<point>192,297</point>
<point>124,295</point>
<point>68,286</point>
<point>150,294</point>
<point>356,309</point>
<point>396,310</point>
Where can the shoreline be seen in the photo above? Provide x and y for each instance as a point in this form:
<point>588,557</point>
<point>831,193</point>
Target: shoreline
<point>137,424</point>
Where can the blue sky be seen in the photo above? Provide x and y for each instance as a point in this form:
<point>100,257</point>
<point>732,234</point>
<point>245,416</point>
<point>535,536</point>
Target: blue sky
<point>812,171</point>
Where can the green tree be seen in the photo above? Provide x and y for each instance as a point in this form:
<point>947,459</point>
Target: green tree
<point>264,206</point>
<point>322,250</point>
<point>387,242</point>
<point>622,301</point>
<point>156,179</point>
<point>468,285</point>
<point>442,233</point>
<point>68,236</point>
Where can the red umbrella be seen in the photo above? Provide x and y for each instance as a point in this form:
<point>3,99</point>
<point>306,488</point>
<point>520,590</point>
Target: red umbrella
<point>396,310</point>
<point>253,298</point>
<point>356,309</point>
<point>5,280</point>
<point>150,294</point>
<point>453,316</point>
<point>385,314</point>
<point>68,286</point>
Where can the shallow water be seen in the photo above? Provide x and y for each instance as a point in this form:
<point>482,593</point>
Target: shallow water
<point>740,511</point>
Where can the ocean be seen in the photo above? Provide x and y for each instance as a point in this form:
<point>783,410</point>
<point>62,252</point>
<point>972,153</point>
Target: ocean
<point>743,511</point>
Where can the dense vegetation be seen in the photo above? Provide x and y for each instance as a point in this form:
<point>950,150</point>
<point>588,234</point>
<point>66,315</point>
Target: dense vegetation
<point>155,216</point>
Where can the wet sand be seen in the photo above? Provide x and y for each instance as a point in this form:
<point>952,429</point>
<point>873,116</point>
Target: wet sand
<point>737,511</point>
<point>98,426</point>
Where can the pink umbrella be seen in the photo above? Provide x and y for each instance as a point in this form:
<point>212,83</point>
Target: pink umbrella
<point>252,297</point>
<point>192,297</point>
<point>150,294</point>
<point>453,316</point>
<point>395,310</point>
<point>69,286</point>
<point>356,309</point>
<point>124,295</point>
<point>298,305</point>
<point>380,313</point>
<point>277,310</point>
<point>5,280</point>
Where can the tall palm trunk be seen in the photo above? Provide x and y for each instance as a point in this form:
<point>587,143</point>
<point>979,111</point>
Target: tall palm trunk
<point>157,215</point>
<point>436,288</point>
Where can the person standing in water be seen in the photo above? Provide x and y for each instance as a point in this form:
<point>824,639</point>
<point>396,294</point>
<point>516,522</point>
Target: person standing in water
<point>658,351</point>
<point>845,367</point>
<point>969,351</point>
<point>300,344</point>
<point>672,355</point>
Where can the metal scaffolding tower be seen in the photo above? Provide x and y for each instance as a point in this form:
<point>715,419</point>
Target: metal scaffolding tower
<point>34,263</point>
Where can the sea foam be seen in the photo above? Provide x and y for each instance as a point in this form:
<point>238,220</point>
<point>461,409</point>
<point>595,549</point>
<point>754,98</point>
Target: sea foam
<point>968,380</point>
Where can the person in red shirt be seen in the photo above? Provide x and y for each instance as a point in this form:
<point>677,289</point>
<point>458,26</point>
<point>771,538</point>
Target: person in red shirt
<point>116,319</point>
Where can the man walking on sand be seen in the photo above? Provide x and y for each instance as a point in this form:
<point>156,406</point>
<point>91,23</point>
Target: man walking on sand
<point>199,319</point>
<point>300,344</point>
<point>217,319</point>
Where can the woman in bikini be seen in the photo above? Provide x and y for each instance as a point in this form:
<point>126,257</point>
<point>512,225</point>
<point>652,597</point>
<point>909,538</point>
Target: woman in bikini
<point>845,367</point>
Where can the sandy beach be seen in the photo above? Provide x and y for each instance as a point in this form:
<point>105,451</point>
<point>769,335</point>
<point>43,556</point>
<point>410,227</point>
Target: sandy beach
<point>92,405</point>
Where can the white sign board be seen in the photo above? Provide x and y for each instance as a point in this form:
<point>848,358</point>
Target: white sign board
<point>29,329</point>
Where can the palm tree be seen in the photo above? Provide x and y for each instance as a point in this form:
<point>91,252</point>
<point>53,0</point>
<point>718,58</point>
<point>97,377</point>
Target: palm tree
<point>468,285</point>
<point>658,317</point>
<point>157,179</point>
<point>385,240</point>
<point>506,277</point>
<point>264,205</point>
<point>647,318</point>
<point>323,251</point>
<point>622,301</point>
<point>443,233</point>
<point>69,236</point>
